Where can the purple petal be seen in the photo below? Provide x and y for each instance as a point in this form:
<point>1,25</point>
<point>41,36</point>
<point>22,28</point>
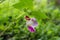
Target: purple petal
<point>34,22</point>
<point>31,29</point>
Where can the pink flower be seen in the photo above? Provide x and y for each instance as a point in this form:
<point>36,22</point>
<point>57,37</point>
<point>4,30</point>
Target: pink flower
<point>31,23</point>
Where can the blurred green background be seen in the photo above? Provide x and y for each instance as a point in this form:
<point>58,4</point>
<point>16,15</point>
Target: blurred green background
<point>12,22</point>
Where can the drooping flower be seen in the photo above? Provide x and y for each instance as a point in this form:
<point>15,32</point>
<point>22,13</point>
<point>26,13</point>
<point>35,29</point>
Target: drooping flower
<point>31,23</point>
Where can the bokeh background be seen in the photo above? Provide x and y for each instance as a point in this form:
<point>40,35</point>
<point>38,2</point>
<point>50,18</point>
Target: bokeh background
<point>13,25</point>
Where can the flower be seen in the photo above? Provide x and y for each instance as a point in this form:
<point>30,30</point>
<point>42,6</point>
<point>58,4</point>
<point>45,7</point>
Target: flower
<point>31,23</point>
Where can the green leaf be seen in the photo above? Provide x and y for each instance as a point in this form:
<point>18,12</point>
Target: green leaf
<point>24,4</point>
<point>39,15</point>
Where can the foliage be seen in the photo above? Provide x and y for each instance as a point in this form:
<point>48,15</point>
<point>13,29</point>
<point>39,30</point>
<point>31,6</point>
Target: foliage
<point>12,22</point>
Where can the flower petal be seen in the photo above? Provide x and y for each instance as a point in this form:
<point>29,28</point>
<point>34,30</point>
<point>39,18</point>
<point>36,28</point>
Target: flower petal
<point>27,18</point>
<point>34,22</point>
<point>31,29</point>
<point>29,22</point>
